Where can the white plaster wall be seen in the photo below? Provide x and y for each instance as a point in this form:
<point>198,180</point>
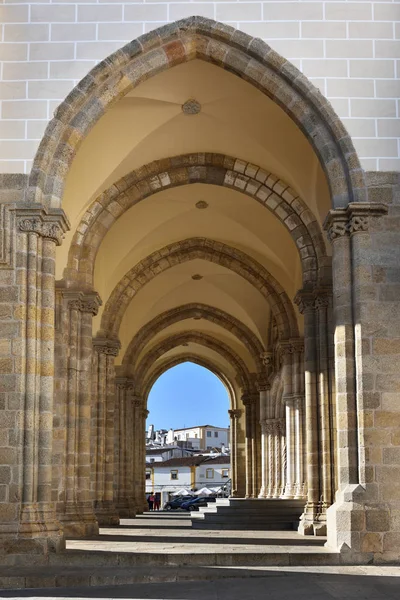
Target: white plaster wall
<point>349,49</point>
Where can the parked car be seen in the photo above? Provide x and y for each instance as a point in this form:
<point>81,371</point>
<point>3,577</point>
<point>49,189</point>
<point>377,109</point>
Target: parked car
<point>176,503</point>
<point>195,503</point>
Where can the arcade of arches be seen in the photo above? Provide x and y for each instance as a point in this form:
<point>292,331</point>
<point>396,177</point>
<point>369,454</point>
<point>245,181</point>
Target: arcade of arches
<point>196,198</point>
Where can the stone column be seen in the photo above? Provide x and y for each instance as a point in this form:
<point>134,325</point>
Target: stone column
<point>28,520</point>
<point>306,302</point>
<point>322,303</point>
<point>234,415</point>
<point>366,260</point>
<point>74,371</point>
<point>249,401</point>
<point>263,391</point>
<point>102,438</point>
<point>144,413</point>
<point>124,439</point>
<point>291,448</point>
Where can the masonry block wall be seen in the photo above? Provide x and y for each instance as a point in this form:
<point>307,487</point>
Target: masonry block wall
<point>349,49</point>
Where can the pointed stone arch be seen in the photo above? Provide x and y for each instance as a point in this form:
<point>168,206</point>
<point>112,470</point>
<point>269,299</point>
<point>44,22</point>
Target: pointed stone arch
<point>206,249</point>
<point>196,38</point>
<point>202,339</point>
<point>213,169</point>
<point>191,311</point>
<point>169,363</point>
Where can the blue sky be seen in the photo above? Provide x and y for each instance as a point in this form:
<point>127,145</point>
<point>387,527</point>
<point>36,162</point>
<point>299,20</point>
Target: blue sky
<point>188,395</point>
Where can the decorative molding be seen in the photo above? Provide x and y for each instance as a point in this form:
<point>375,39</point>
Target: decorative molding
<point>235,413</point>
<point>106,346</point>
<point>124,384</point>
<point>309,300</point>
<point>355,218</point>
<point>7,237</point>
<point>85,302</point>
<point>191,107</point>
<point>51,225</point>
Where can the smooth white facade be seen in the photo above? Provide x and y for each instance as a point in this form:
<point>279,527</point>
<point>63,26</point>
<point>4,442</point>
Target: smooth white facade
<point>349,49</point>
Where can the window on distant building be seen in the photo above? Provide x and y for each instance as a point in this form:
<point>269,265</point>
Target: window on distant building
<point>225,473</point>
<point>148,474</point>
<point>174,474</point>
<point>215,433</point>
<point>187,436</point>
<point>195,435</point>
<point>152,460</point>
<point>210,474</point>
<point>208,433</point>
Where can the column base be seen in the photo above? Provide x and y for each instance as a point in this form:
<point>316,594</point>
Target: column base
<point>313,520</point>
<point>105,513</point>
<point>78,519</point>
<point>347,532</point>
<point>125,508</point>
<point>37,531</point>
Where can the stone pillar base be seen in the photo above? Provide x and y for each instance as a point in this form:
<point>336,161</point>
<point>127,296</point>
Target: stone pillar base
<point>347,521</point>
<point>37,532</point>
<point>106,513</point>
<point>126,509</point>
<point>313,519</point>
<point>78,519</point>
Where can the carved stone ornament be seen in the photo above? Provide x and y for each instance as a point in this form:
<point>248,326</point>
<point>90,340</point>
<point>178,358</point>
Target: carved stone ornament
<point>124,384</point>
<point>191,107</point>
<point>86,303</point>
<point>46,225</point>
<point>106,346</point>
<point>234,413</point>
<point>352,219</point>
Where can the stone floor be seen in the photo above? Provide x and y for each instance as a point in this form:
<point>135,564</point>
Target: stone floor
<point>172,533</point>
<point>159,556</point>
<point>322,583</point>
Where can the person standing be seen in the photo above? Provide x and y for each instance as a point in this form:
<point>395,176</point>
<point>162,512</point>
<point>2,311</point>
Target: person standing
<point>150,501</point>
<point>157,501</point>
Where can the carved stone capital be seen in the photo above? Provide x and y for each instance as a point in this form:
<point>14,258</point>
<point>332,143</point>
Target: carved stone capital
<point>355,218</point>
<point>262,384</point>
<point>87,302</point>
<point>51,224</point>
<point>234,413</point>
<point>249,399</point>
<point>305,300</point>
<point>125,384</point>
<point>106,346</point>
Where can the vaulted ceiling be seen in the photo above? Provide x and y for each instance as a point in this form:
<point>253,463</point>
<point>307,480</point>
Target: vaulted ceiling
<point>149,124</point>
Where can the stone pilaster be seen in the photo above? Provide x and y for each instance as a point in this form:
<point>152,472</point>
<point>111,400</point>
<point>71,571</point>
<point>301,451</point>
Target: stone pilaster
<point>306,303</point>
<point>102,430</point>
<point>362,522</point>
<point>28,520</point>
<point>249,401</point>
<point>234,415</point>
<point>72,428</point>
<point>126,445</point>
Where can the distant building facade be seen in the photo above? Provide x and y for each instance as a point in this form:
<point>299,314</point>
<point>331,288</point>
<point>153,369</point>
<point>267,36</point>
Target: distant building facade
<point>189,473</point>
<point>199,437</point>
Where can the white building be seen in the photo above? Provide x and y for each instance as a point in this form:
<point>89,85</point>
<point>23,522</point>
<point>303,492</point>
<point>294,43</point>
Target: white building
<point>203,437</point>
<point>190,473</point>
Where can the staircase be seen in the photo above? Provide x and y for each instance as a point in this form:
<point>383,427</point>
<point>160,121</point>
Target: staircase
<point>249,514</point>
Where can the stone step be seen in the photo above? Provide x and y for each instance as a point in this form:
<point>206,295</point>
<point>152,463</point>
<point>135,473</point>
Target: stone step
<point>176,567</point>
<point>264,514</point>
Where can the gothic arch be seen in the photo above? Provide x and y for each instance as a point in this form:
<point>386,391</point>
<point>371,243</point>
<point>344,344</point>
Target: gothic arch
<point>213,169</point>
<point>190,311</point>
<point>207,249</point>
<point>196,37</point>
<point>194,358</point>
<point>202,339</point>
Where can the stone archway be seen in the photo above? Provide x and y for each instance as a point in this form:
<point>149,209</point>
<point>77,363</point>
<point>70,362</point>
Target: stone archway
<point>196,37</point>
<point>213,169</point>
<point>199,311</point>
<point>206,249</point>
